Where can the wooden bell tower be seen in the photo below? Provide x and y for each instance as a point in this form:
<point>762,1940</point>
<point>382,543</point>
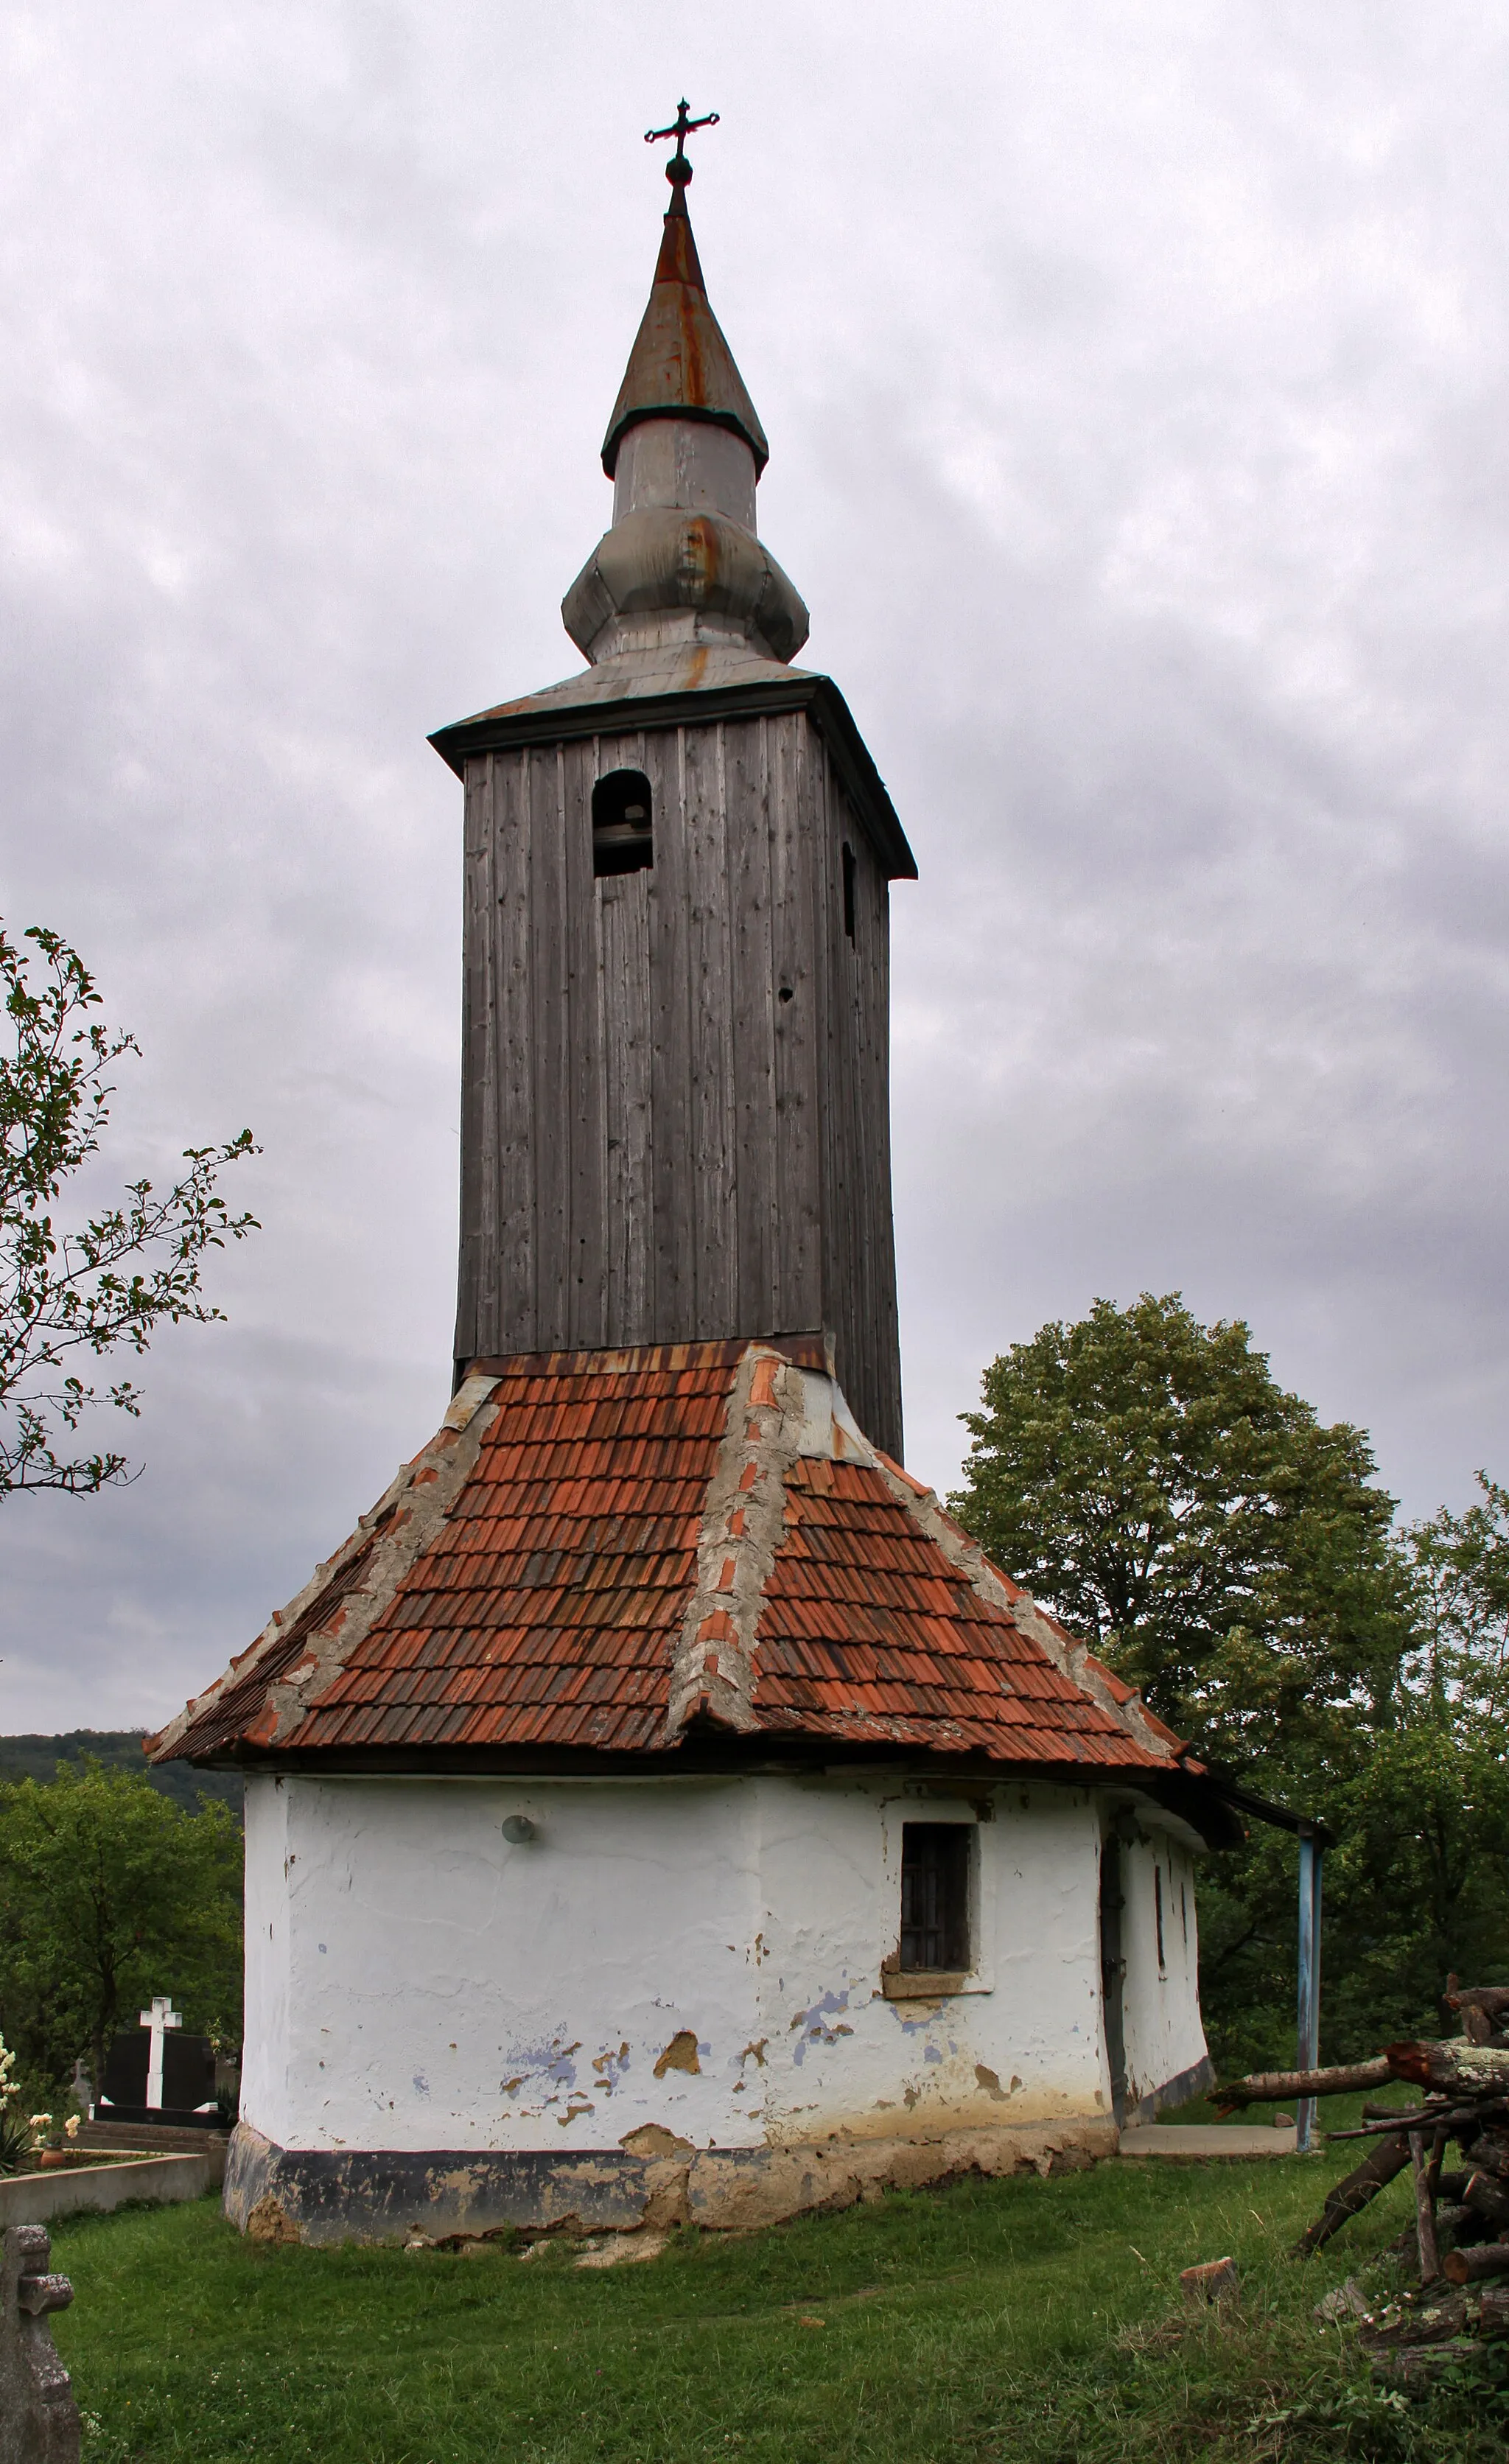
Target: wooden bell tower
<point>675,1119</point>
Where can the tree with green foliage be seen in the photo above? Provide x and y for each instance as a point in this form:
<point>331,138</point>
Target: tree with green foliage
<point>109,1893</point>
<point>1423,1855</point>
<point>1149,1479</point>
<point>66,1296</point>
<point>1231,1554</point>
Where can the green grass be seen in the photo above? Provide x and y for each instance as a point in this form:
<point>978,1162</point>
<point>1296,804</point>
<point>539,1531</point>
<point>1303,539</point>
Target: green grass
<point>1021,2319</point>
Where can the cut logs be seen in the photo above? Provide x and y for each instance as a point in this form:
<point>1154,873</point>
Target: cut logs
<point>1471,2266</point>
<point>1465,2101</point>
<point>1489,2154</point>
<point>1489,2199</point>
<point>1454,2068</point>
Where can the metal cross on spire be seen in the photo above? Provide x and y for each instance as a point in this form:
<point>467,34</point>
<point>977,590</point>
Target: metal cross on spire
<point>678,170</point>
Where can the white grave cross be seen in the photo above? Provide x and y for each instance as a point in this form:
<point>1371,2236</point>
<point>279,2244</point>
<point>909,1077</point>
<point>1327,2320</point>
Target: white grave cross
<point>159,2018</point>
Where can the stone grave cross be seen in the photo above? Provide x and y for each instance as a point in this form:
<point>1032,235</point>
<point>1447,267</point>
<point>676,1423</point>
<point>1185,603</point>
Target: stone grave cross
<point>38,2418</point>
<point>159,2018</point>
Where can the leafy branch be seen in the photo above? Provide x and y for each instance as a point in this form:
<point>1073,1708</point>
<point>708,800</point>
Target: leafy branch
<point>128,1270</point>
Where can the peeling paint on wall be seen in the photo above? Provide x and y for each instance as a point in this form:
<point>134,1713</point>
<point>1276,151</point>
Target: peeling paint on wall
<point>698,1956</point>
<point>680,2055</point>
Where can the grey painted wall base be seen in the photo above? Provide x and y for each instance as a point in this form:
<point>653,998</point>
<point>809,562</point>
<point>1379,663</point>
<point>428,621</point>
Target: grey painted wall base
<point>322,2196</point>
<point>1189,2084</point>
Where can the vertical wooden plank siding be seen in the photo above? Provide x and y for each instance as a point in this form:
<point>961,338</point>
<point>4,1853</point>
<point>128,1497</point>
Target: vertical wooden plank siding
<point>656,1147</point>
<point>625,1046</point>
<point>623,1012</point>
<point>479,1047</point>
<point>752,1003</point>
<point>713,1027</point>
<point>622,903</point>
<point>797,870</point>
<point>674,1281</point>
<point>510,1304</point>
<point>888,1337</point>
<point>551,1055</point>
<point>583,1324</point>
<point>859,1290</point>
<point>836,1081</point>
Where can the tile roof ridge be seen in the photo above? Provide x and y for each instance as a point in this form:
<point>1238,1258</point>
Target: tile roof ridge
<point>743,1523</point>
<point>1069,1655</point>
<point>381,1551</point>
<point>1132,1694</point>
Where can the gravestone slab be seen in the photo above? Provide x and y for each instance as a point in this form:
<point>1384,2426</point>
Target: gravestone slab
<point>187,2080</point>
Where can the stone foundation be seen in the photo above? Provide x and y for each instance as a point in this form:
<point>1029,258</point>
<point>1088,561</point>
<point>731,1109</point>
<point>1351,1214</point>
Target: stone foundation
<point>327,2196</point>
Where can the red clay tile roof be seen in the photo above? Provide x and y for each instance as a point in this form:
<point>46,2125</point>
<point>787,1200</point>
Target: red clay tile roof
<point>599,1547</point>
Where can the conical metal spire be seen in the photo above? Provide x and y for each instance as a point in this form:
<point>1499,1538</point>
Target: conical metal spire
<point>683,563</point>
<point>680,368</point>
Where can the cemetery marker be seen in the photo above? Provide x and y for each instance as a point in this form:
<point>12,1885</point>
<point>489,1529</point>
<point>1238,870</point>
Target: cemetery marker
<point>160,2016</point>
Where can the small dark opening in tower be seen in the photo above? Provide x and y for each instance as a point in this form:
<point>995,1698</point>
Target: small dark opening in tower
<point>849,871</point>
<point>1157,1902</point>
<point>935,1896</point>
<point>623,836</point>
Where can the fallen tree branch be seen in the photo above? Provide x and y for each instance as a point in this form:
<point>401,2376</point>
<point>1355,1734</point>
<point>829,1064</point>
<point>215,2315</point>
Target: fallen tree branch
<point>1281,2087</point>
<point>1425,2209</point>
<point>1386,2120</point>
<point>1350,2197</point>
<point>1487,1998</point>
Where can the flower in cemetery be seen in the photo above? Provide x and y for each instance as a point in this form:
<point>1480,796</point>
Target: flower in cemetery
<point>71,2127</point>
<point>15,2141</point>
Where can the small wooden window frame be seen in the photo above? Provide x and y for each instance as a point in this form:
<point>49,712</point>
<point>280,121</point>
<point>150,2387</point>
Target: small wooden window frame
<point>934,1949</point>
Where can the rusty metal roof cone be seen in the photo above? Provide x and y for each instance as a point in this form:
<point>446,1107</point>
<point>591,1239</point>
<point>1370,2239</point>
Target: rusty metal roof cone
<point>682,567</point>
<point>681,365</point>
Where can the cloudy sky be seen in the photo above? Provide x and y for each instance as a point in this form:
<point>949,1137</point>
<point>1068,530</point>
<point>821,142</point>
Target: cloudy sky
<point>1136,384</point>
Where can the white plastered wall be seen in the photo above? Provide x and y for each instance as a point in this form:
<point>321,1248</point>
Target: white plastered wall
<point>1164,2039</point>
<point>699,1954</point>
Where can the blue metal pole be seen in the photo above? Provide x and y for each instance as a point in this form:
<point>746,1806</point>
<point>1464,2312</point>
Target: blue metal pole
<point>1309,1983</point>
<point>1315,1949</point>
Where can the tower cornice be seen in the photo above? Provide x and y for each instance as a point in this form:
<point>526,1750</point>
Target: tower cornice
<point>543,718</point>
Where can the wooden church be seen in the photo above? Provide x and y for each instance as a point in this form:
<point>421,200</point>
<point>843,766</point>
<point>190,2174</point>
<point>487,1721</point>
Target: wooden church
<point>657,1807</point>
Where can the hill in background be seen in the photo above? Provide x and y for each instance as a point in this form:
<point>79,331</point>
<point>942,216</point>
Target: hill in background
<point>31,1758</point>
